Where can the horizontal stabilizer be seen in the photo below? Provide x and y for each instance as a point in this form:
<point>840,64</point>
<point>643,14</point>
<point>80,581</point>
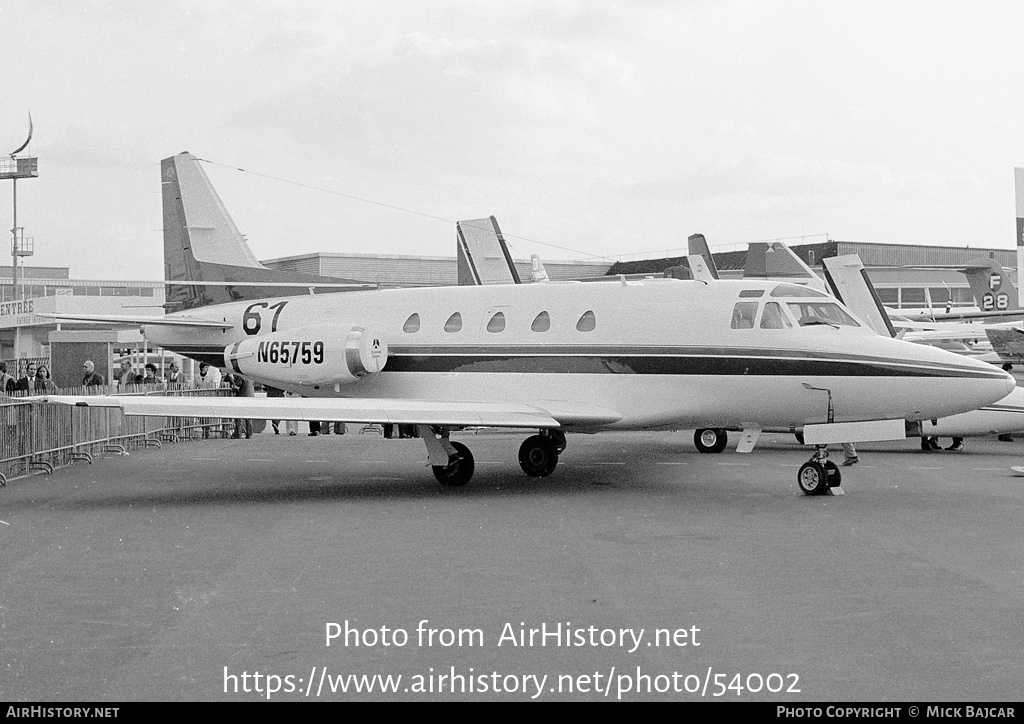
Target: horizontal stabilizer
<point>139,319</point>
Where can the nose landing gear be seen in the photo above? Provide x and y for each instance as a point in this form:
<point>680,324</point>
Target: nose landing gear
<point>819,475</point>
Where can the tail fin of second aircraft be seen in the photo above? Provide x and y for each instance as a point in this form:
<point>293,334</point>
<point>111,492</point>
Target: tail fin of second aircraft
<point>991,285</point>
<point>777,261</point>
<point>849,283</point>
<point>203,246</point>
<point>697,245</point>
<point>483,256</point>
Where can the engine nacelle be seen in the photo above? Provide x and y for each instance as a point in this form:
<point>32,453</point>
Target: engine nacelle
<point>319,355</point>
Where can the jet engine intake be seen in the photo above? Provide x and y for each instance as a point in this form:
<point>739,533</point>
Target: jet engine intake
<point>318,355</point>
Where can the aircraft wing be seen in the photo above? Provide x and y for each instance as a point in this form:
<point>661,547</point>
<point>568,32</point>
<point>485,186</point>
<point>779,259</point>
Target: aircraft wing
<point>1008,344</point>
<point>960,316</point>
<point>139,319</point>
<point>545,414</point>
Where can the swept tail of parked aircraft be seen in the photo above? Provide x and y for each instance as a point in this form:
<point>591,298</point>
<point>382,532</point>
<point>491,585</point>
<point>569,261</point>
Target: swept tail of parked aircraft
<point>697,245</point>
<point>991,285</point>
<point>849,283</point>
<point>204,250</point>
<point>482,253</point>
<point>1018,178</point>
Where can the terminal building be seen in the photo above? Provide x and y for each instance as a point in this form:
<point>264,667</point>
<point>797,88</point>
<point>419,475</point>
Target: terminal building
<point>896,270</point>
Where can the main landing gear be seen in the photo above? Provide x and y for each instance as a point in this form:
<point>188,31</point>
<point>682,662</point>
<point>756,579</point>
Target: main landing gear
<point>452,462</point>
<point>819,475</point>
<point>710,439</point>
<point>538,455</point>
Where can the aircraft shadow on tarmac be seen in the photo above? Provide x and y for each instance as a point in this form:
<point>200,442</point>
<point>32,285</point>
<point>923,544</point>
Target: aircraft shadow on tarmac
<point>341,487</point>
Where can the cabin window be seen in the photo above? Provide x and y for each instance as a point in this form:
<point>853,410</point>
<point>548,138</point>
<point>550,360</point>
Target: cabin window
<point>587,322</point>
<point>774,318</point>
<point>454,323</point>
<point>412,324</point>
<point>542,322</point>
<point>743,315</point>
<point>821,313</point>
<point>497,323</point>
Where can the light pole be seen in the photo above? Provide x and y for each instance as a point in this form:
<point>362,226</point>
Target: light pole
<point>15,168</point>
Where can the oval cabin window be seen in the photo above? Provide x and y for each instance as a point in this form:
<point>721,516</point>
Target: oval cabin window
<point>587,322</point>
<point>542,323</point>
<point>454,323</point>
<point>497,323</point>
<point>412,324</point>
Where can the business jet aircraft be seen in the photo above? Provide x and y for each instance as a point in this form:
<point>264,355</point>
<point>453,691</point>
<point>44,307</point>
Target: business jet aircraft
<point>565,357</point>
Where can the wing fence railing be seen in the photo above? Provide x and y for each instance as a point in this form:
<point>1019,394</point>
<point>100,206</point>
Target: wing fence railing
<point>36,435</point>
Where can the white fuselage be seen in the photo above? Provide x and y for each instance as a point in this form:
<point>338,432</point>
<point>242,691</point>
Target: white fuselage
<point>658,352</point>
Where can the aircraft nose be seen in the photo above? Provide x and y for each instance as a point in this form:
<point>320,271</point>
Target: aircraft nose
<point>1011,382</point>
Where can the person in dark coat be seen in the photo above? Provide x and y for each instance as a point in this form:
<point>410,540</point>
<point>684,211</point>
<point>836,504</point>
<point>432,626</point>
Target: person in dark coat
<point>242,387</point>
<point>28,382</point>
<point>92,378</point>
<point>274,392</point>
<point>7,382</point>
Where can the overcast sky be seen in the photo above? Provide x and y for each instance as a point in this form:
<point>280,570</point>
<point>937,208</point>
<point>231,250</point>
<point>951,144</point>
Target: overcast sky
<point>604,128</point>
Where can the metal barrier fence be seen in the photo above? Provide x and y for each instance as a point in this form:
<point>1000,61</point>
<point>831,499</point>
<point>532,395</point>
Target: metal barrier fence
<point>42,436</point>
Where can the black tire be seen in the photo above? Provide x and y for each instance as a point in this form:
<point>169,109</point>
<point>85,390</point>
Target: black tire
<point>459,472</point>
<point>812,478</point>
<point>799,435</point>
<point>710,439</point>
<point>538,456</point>
<point>832,474</point>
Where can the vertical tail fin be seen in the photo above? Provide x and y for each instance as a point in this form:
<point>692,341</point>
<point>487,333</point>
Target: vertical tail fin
<point>202,244</point>
<point>538,273</point>
<point>849,283</point>
<point>483,256</point>
<point>777,261</point>
<point>1018,177</point>
<point>991,285</point>
<point>698,245</point>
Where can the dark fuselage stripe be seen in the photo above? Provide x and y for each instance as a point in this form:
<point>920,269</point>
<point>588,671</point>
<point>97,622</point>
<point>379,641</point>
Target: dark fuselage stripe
<point>615,360</point>
<point>667,365</point>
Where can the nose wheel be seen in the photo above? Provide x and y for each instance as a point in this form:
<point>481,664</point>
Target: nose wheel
<point>819,475</point>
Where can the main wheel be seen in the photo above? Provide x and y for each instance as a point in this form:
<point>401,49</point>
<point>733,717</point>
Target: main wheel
<point>812,478</point>
<point>832,474</point>
<point>456,473</point>
<point>538,456</point>
<point>710,439</point>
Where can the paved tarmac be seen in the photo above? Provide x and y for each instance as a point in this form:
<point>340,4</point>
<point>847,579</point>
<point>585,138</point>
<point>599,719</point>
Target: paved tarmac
<point>178,573</point>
